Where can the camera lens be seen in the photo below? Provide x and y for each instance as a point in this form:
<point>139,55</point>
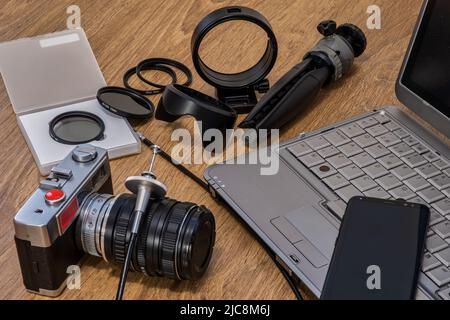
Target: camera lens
<point>176,239</point>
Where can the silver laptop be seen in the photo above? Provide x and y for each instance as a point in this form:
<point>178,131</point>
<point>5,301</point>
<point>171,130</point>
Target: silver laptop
<point>382,154</point>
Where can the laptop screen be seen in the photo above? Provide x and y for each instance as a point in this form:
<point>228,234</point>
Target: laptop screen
<point>427,71</point>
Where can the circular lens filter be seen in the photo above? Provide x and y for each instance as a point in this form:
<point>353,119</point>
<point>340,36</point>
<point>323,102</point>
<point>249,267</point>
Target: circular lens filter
<point>125,103</point>
<point>76,127</point>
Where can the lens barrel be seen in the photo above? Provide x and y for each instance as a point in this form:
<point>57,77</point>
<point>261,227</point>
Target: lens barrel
<point>176,239</point>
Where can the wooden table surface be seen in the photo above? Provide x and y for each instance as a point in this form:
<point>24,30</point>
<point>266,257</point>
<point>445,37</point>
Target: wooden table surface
<point>121,34</point>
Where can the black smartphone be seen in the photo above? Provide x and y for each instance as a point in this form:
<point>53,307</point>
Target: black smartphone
<point>379,251</point>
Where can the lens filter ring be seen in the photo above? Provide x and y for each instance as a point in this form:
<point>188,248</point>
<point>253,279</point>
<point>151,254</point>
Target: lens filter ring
<point>149,63</point>
<point>76,127</point>
<point>148,67</point>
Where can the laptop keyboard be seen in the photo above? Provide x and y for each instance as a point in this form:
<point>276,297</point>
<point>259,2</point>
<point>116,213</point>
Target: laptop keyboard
<point>377,157</point>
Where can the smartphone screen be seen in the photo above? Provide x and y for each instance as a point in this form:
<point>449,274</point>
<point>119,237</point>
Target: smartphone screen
<point>378,252</point>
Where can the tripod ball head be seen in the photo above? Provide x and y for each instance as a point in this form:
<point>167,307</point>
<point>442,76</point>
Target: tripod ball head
<point>339,47</point>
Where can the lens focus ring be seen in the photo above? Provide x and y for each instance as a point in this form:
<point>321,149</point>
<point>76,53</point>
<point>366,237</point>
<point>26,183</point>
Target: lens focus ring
<point>170,238</point>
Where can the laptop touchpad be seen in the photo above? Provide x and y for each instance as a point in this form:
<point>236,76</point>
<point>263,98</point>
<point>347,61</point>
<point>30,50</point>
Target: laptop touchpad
<point>315,228</point>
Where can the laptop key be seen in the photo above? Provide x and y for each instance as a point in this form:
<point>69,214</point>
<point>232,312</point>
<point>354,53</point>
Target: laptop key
<point>434,243</point>
<point>417,183</point>
<point>444,294</point>
<point>389,182</point>
<point>364,183</point>
<point>444,256</point>
<point>375,171</point>
<point>328,152</point>
<point>431,156</point>
<point>377,150</point>
<point>336,181</point>
<point>419,200</point>
<point>441,164</point>
<point>338,161</point>
<point>300,149</point>
<point>403,172</point>
<point>410,141</point>
<point>402,192</point>
<point>351,172</point>
<point>348,192</point>
<point>336,138</point>
<point>352,130</point>
<point>447,192</point>
<point>442,229</point>
<point>429,262</point>
<point>401,149</point>
<point>388,139</point>
<point>382,118</point>
<point>392,126</point>
<point>317,142</point>
<point>312,159</point>
<point>435,217</point>
<point>431,194</point>
<point>390,161</point>
<point>324,170</point>
<point>415,160</point>
<point>420,148</point>
<point>428,170</point>
<point>378,192</point>
<point>350,149</point>
<point>367,122</point>
<point>365,140</point>
<point>377,130</point>
<point>363,160</point>
<point>440,276</point>
<point>441,181</point>
<point>443,206</point>
<point>401,133</point>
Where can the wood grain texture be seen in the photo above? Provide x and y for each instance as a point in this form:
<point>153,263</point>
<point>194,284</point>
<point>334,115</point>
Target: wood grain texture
<point>122,33</point>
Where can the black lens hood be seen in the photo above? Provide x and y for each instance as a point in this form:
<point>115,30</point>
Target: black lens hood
<point>178,101</point>
<point>250,77</point>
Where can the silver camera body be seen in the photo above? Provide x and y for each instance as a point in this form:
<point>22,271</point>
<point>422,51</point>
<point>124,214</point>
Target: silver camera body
<point>45,225</point>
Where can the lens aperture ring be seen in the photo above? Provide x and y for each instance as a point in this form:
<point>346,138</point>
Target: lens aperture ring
<point>142,240</point>
<point>92,213</point>
<point>170,237</point>
<point>121,234</point>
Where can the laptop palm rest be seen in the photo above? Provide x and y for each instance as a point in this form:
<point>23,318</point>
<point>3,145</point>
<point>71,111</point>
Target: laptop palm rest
<point>315,229</point>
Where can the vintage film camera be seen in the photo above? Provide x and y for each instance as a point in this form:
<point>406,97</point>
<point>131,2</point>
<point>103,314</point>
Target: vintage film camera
<point>75,212</point>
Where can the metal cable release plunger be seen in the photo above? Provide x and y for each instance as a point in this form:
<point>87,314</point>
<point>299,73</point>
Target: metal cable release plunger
<point>145,187</point>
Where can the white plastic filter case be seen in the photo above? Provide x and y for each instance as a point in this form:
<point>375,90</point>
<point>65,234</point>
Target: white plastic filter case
<point>52,74</point>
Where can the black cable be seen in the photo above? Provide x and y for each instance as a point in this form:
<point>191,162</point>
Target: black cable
<point>288,278</point>
<point>205,186</point>
<point>126,267</point>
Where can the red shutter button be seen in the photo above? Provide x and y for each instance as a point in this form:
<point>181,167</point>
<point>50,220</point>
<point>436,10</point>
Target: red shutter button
<point>55,196</point>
